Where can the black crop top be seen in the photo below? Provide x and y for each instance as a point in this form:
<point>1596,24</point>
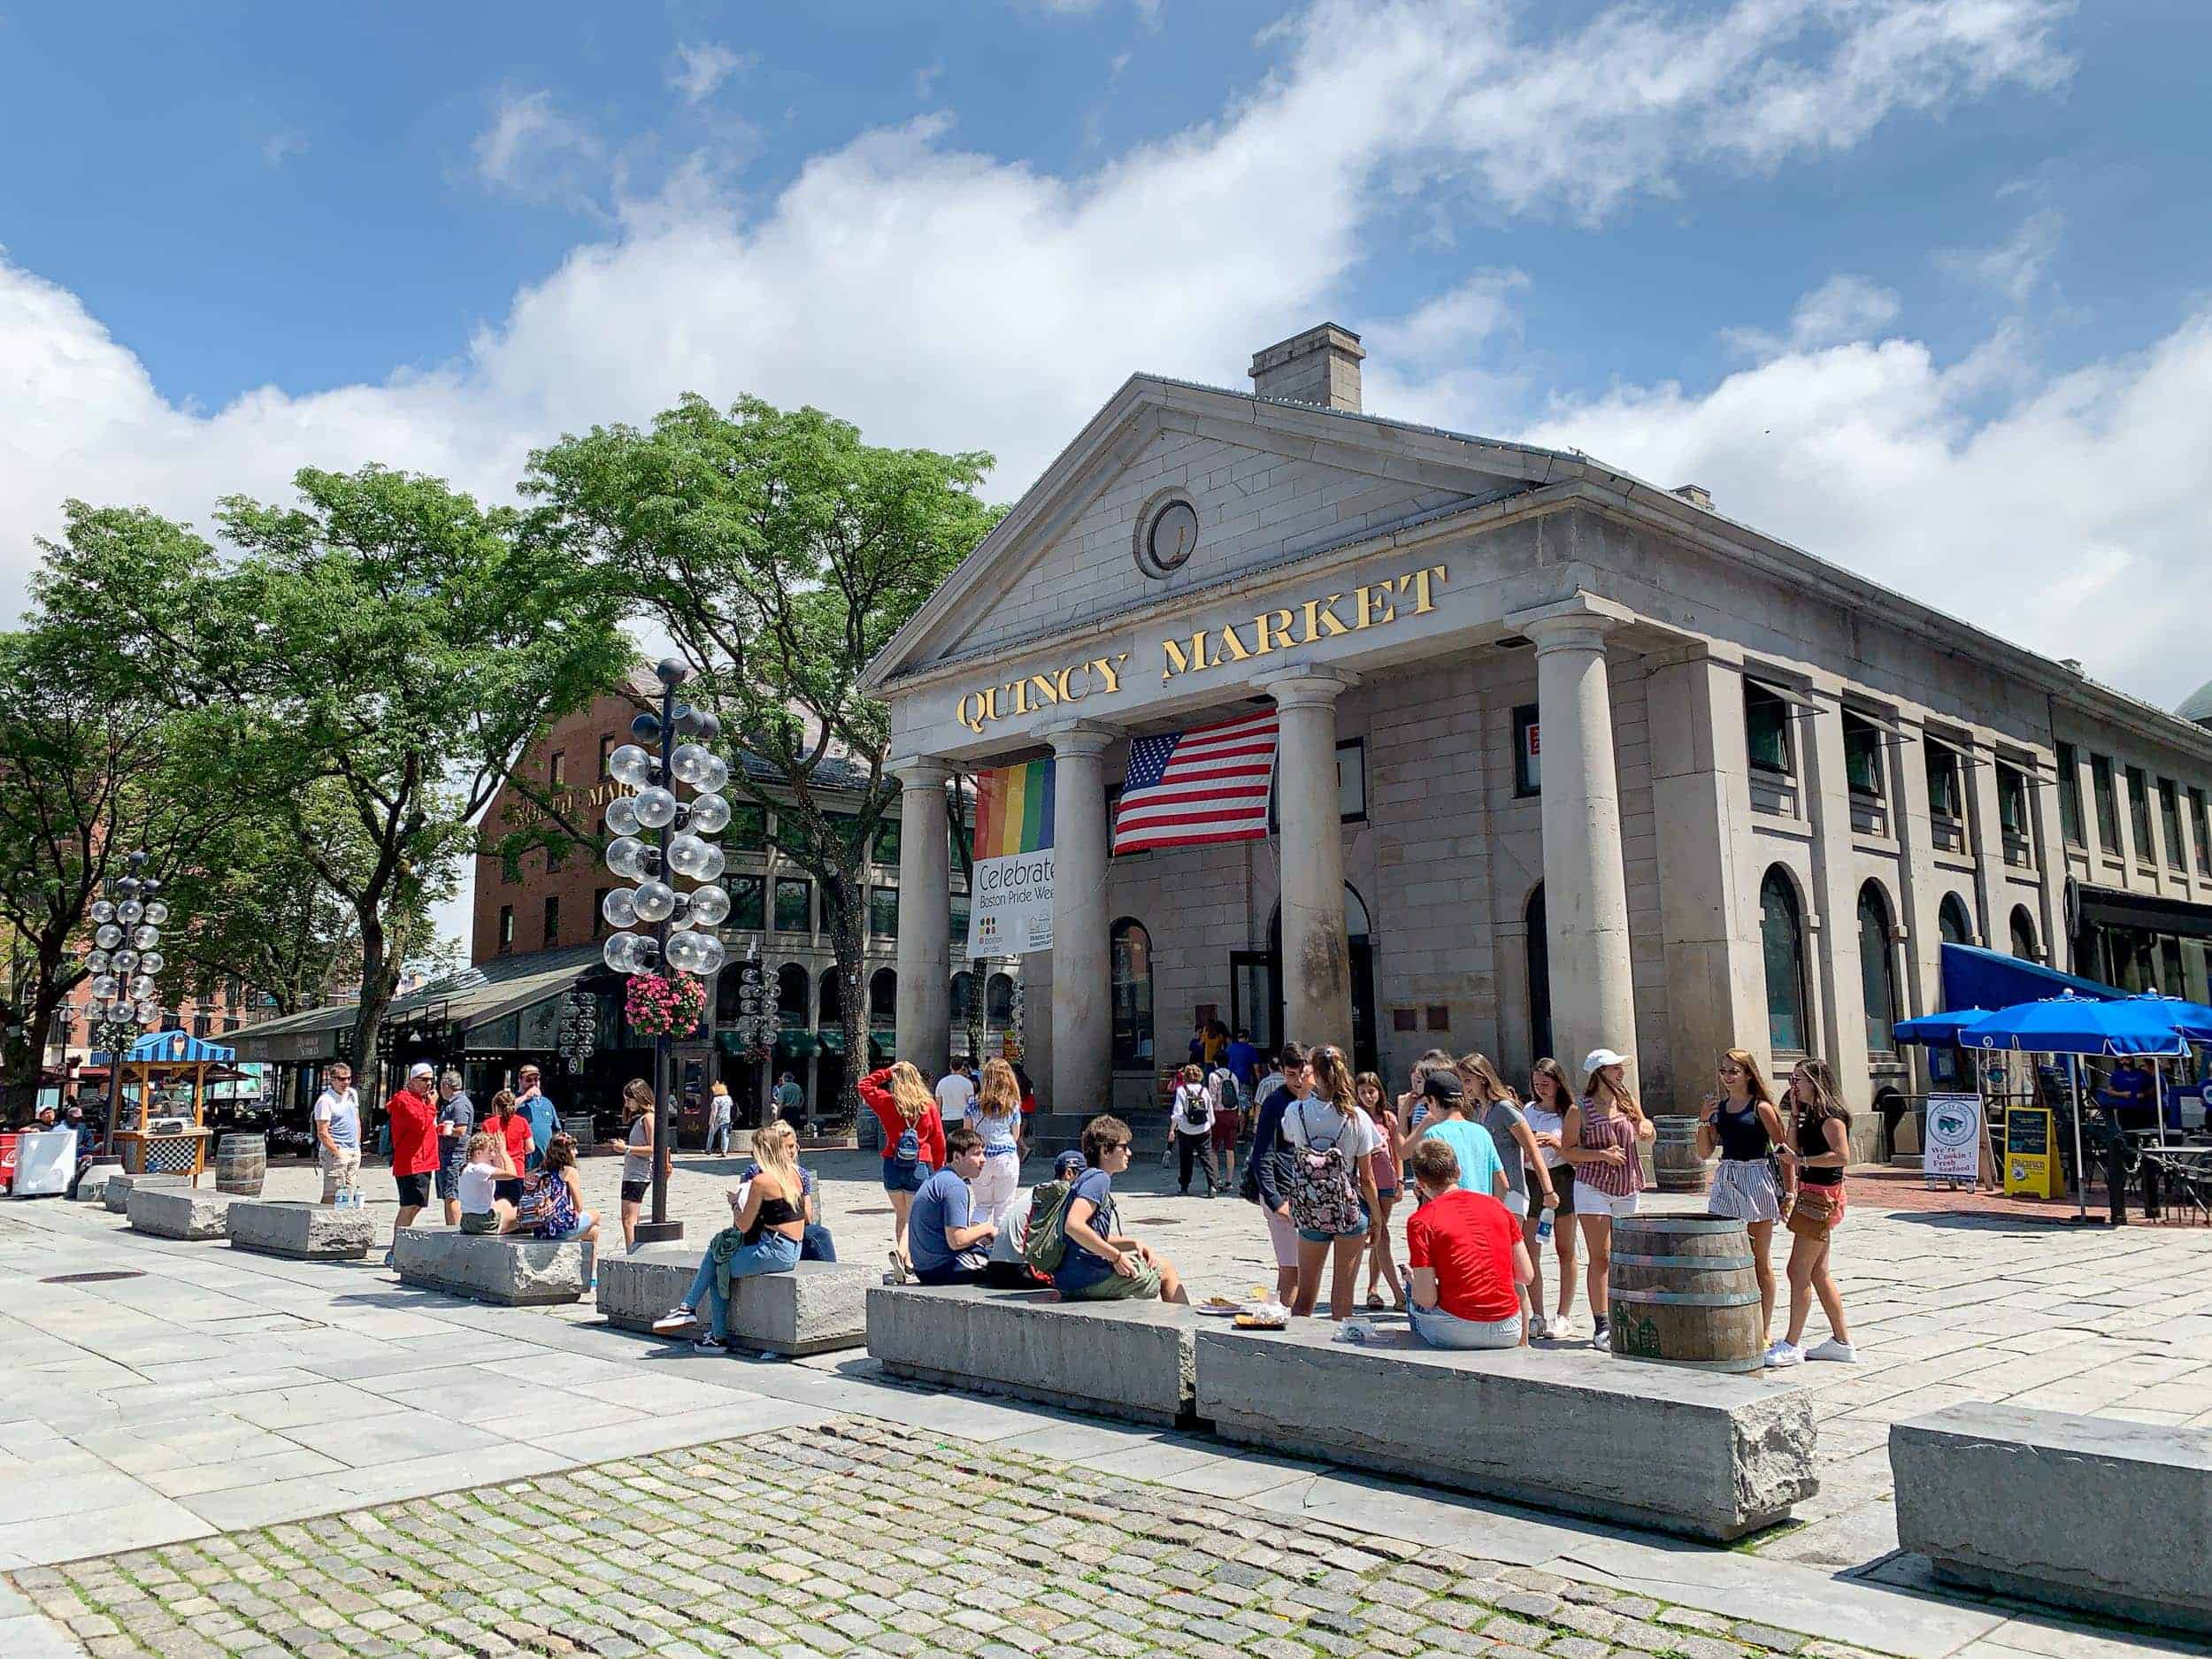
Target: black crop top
<point>773,1212</point>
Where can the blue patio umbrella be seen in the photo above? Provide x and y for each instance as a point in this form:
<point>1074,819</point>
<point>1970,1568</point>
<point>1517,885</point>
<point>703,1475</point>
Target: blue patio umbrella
<point>1937,1030</point>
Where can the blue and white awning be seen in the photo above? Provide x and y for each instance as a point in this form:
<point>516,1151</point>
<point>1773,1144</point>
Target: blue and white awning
<point>171,1047</point>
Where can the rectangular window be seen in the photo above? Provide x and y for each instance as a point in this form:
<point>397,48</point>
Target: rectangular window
<point>1945,796</point>
<point>552,920</point>
<point>1528,751</point>
<point>887,843</point>
<point>599,911</point>
<point>2107,808</point>
<point>2012,801</point>
<point>883,912</point>
<point>1862,757</point>
<point>2169,815</point>
<point>1766,729</point>
<point>556,769</point>
<point>506,928</point>
<point>2139,812</point>
<point>1351,781</point>
<point>748,903</point>
<point>606,748</point>
<point>2200,832</point>
<point>2069,795</point>
<point>556,853</point>
<point>749,828</point>
<point>794,905</point>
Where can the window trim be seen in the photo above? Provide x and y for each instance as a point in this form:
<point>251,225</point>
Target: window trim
<point>878,893</point>
<point>505,935</point>
<point>2105,785</point>
<point>1936,746</point>
<point>2139,812</point>
<point>2169,824</point>
<point>1528,764</point>
<point>556,769</point>
<point>549,914</point>
<point>1789,700</point>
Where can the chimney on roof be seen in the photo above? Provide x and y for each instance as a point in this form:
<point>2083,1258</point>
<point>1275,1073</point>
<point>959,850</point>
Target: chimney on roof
<point>1696,494</point>
<point>1319,367</point>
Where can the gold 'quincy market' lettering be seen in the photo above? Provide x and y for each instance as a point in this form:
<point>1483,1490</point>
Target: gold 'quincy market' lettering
<point>1100,676</point>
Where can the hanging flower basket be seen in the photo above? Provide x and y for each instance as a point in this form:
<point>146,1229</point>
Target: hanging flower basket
<point>666,1005</point>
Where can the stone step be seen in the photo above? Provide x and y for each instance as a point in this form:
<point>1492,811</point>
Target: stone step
<point>488,1267</point>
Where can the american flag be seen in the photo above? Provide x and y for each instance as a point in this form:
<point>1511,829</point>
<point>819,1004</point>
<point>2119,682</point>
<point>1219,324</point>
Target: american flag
<point>1192,788</point>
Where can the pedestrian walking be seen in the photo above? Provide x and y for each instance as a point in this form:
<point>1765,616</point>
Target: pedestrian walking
<point>1740,1121</point>
<point>913,1142</point>
<point>414,1122</point>
<point>1333,1184</point>
<point>955,1093</point>
<point>1192,1114</point>
<point>719,1111</point>
<point>1549,1094</point>
<point>1242,1058</point>
<point>456,1122</point>
<point>789,1100</point>
<point>1231,1095</point>
<point>1099,1262</point>
<point>1499,1111</point>
<point>996,1118</point>
<point>1382,1266</point>
<point>532,1101</point>
<point>1267,1170</point>
<point>1814,1152</point>
<point>636,1147</point>
<point>1602,1137</point>
<point>337,1117</point>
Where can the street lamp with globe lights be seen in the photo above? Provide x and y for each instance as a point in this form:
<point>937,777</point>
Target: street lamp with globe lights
<point>664,935</point>
<point>124,961</point>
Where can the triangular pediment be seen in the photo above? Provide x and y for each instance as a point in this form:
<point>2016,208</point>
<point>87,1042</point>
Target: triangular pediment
<point>1268,482</point>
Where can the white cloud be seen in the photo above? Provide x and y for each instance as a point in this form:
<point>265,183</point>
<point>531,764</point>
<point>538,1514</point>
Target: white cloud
<point>926,77</point>
<point>1842,308</point>
<point>534,151</point>
<point>279,147</point>
<point>2017,266</point>
<point>699,70</point>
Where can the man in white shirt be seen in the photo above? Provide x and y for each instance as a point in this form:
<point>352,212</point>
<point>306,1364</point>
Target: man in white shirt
<point>955,1092</point>
<point>338,1134</point>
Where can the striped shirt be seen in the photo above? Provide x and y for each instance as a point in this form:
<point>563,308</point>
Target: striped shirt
<point>1616,1128</point>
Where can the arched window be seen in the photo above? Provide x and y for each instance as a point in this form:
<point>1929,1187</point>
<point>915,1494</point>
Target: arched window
<point>2023,935</point>
<point>963,997</point>
<point>883,998</point>
<point>1539,977</point>
<point>832,1008</point>
<point>791,994</point>
<point>1782,933</point>
<point>1130,952</point>
<point>1878,984</point>
<point>998,998</point>
<point>1953,922</point>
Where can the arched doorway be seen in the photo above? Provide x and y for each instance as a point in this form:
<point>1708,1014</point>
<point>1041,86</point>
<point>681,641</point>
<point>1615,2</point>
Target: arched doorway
<point>1257,975</point>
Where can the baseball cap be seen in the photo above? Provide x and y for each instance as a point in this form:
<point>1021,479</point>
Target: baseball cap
<point>1069,1164</point>
<point>1441,1085</point>
<point>1597,1057</point>
<point>421,1068</point>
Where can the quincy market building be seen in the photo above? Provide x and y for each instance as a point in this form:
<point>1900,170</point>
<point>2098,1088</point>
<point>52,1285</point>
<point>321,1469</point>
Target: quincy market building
<point>1566,760</point>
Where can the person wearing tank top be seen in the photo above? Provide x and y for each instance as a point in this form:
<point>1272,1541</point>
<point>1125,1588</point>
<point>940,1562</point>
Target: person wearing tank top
<point>1740,1121</point>
<point>1813,1156</point>
<point>1603,1136</point>
<point>1549,1094</point>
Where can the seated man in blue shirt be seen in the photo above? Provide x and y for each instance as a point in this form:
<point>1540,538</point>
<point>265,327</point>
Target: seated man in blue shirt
<point>948,1247</point>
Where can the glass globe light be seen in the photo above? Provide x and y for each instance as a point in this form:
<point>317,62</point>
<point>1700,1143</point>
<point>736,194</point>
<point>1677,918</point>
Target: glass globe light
<point>103,912</point>
<point>717,774</point>
<point>710,814</point>
<point>615,952</point>
<point>124,961</point>
<point>108,937</point>
<point>153,962</point>
<point>626,857</point>
<point>104,988</point>
<point>656,901</point>
<point>708,906</point>
<point>148,1013</point>
<point>127,887</point>
<point>630,764</point>
<point>144,937</point>
<point>712,868</point>
<point>689,762</point>
<point>621,817</point>
<point>712,955</point>
<point>158,912</point>
<point>95,961</point>
<point>142,986</point>
<point>128,911</point>
<point>120,1009</point>
<point>687,855</point>
<point>687,951</point>
<point>656,807</point>
<point>619,907</point>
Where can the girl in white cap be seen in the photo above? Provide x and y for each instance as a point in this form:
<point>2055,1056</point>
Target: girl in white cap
<point>1602,1137</point>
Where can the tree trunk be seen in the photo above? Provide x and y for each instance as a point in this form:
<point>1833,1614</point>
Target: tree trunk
<point>376,998</point>
<point>846,897</point>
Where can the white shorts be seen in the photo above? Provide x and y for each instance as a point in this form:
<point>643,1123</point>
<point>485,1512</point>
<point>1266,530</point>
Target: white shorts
<point>1283,1237</point>
<point>1744,1189</point>
<point>1516,1204</point>
<point>1590,1202</point>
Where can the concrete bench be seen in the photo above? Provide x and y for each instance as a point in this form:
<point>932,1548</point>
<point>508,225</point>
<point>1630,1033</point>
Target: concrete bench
<point>1702,1454</point>
<point>306,1232</point>
<point>177,1212</point>
<point>93,1188</point>
<point>512,1271</point>
<point>119,1188</point>
<point>1123,1359</point>
<point>820,1307</point>
<point>2080,1512</point>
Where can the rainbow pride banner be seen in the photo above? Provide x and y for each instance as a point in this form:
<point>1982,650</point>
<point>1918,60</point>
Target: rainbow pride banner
<point>1009,909</point>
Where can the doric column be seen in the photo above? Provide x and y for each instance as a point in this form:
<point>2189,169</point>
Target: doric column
<point>1316,956</point>
<point>1586,891</point>
<point>1082,1000</point>
<point>924,1002</point>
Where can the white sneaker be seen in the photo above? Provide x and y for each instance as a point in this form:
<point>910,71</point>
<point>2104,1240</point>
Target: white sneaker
<point>1561,1326</point>
<point>676,1319</point>
<point>1783,1354</point>
<point>899,1274</point>
<point>1842,1352</point>
<point>1538,1330</point>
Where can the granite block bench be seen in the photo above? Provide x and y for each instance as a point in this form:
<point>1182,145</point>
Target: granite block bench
<point>117,1191</point>
<point>512,1271</point>
<point>92,1186</point>
<point>2095,1513</point>
<point>306,1232</point>
<point>1123,1359</point>
<point>1702,1454</point>
<point>819,1306</point>
<point>177,1212</point>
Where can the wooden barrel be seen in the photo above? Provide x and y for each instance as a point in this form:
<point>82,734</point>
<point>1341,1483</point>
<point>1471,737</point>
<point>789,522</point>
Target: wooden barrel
<point>1682,1292</point>
<point>242,1164</point>
<point>1674,1158</point>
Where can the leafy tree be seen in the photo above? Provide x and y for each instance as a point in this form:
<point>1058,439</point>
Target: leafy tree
<point>385,649</point>
<point>779,552</point>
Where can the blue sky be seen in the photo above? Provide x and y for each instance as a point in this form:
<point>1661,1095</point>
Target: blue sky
<point>1918,283</point>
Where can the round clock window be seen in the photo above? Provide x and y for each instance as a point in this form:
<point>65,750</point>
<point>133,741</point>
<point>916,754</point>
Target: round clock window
<point>1171,537</point>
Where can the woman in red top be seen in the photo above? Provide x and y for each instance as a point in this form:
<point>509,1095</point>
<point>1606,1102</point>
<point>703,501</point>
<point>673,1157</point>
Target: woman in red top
<point>510,1145</point>
<point>913,1141</point>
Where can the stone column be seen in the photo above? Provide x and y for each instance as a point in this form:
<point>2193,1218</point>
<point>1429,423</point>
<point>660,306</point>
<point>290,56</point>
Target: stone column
<point>1316,956</point>
<point>1835,972</point>
<point>1082,999</point>
<point>925,1001</point>
<point>1985,839</point>
<point>1586,891</point>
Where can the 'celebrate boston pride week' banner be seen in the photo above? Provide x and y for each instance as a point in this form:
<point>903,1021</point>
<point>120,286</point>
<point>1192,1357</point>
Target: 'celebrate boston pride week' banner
<point>1010,909</point>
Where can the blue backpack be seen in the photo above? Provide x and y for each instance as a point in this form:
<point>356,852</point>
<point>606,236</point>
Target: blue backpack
<point>909,1149</point>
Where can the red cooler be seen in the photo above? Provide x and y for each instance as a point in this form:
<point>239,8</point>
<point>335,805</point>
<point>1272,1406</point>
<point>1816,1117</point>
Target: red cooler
<point>7,1162</point>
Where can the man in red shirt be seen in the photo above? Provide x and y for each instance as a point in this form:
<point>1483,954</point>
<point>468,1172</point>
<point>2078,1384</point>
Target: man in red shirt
<point>1468,1260</point>
<point>414,1143</point>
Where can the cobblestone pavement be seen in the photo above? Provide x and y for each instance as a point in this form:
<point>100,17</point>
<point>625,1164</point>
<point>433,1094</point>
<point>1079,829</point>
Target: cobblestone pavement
<point>854,1536</point>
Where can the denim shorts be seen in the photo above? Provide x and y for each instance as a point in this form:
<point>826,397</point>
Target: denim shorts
<point>899,1177</point>
<point>1314,1235</point>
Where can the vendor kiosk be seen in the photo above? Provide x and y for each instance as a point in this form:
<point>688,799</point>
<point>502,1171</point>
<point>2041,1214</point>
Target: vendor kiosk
<point>155,1126</point>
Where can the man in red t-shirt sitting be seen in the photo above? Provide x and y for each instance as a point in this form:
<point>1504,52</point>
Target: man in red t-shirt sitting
<point>1467,1257</point>
<point>414,1144</point>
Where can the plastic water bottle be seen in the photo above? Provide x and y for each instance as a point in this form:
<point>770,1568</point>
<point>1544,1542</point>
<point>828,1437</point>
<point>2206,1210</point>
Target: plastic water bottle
<point>1543,1225</point>
<point>1357,1331</point>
